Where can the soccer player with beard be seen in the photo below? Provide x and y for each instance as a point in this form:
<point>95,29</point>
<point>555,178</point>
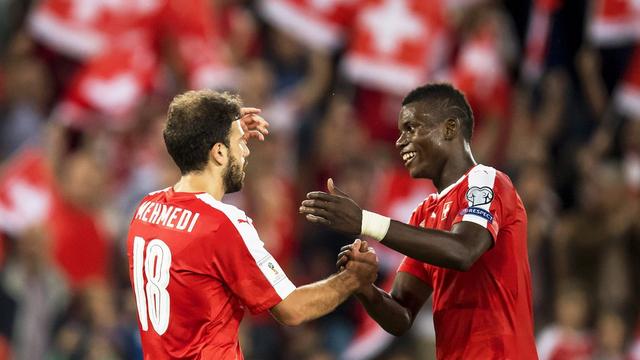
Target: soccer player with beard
<point>465,245</point>
<point>196,263</point>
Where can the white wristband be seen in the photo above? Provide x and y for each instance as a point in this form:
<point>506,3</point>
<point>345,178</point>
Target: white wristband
<point>374,225</point>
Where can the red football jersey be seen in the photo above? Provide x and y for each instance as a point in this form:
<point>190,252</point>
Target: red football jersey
<point>486,312</point>
<point>195,264</point>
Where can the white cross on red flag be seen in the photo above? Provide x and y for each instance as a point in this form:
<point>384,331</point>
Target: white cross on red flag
<point>397,44</point>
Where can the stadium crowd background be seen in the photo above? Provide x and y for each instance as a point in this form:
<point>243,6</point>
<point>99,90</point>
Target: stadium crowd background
<point>84,87</point>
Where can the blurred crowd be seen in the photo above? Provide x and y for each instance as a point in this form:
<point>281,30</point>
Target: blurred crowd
<point>84,87</point>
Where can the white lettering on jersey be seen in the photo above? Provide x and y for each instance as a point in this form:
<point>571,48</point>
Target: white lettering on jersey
<point>161,214</point>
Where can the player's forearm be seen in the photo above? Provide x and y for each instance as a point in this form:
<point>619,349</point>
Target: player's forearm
<point>385,310</point>
<point>312,301</point>
<point>436,247</point>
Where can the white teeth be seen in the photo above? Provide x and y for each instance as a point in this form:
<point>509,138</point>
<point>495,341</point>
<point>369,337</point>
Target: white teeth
<point>408,156</point>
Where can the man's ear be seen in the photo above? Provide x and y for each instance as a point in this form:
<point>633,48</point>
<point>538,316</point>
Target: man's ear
<point>451,128</point>
<point>219,153</point>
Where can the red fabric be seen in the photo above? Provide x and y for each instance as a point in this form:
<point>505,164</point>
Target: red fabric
<point>119,44</point>
<point>318,24</point>
<point>481,74</point>
<point>486,312</point>
<point>396,45</point>
<point>216,267</point>
<point>614,21</point>
<point>556,343</point>
<point>112,84</point>
<point>29,196</point>
<point>80,246</point>
<point>84,29</point>
<point>26,191</point>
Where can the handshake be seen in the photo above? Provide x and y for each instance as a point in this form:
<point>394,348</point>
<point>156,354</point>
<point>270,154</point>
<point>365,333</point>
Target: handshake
<point>359,262</point>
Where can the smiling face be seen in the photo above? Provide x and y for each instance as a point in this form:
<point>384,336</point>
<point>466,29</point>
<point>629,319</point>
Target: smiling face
<point>234,173</point>
<point>421,142</point>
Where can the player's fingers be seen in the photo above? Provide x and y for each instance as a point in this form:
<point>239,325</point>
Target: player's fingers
<point>341,262</point>
<point>316,211</point>
<point>317,219</point>
<point>346,247</point>
<point>317,204</point>
<point>249,110</point>
<point>321,195</point>
<point>256,134</point>
<point>364,246</point>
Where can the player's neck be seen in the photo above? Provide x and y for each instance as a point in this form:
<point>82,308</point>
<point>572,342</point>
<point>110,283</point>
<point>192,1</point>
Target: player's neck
<point>455,168</point>
<point>204,181</point>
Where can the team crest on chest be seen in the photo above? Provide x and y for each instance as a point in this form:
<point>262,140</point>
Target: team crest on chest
<point>445,209</point>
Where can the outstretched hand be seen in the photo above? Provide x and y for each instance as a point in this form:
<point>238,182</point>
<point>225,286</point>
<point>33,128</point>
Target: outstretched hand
<point>334,209</point>
<point>253,125</point>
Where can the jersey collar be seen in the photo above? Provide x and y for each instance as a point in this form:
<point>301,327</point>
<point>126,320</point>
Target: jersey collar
<point>448,188</point>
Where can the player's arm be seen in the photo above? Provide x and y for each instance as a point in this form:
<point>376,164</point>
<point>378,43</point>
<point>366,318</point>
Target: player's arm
<point>395,311</point>
<point>314,300</point>
<point>456,249</point>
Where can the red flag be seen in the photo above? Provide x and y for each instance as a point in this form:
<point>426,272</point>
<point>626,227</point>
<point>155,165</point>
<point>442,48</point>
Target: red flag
<point>614,22</point>
<point>26,185</point>
<point>537,42</point>
<point>396,45</point>
<point>480,72</point>
<point>320,24</point>
<point>82,29</point>
<point>200,47</point>
<point>112,84</point>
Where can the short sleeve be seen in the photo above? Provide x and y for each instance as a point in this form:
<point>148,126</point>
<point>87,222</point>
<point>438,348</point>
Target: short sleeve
<point>480,202</point>
<point>417,269</point>
<point>248,269</point>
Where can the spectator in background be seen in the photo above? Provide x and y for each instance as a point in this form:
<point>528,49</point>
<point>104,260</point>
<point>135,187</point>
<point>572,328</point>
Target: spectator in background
<point>39,289</point>
<point>610,337</point>
<point>567,337</point>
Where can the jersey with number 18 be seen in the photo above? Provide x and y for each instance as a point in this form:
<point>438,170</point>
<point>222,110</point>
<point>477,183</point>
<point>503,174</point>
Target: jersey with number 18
<point>195,265</point>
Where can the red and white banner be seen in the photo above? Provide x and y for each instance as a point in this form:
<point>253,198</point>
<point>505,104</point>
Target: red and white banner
<point>614,22</point>
<point>111,84</point>
<point>480,72</point>
<point>537,42</point>
<point>86,28</point>
<point>396,45</point>
<point>320,24</point>
<point>117,40</point>
<point>392,45</point>
<point>26,186</point>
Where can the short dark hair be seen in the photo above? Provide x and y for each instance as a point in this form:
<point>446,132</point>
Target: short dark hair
<point>196,121</point>
<point>450,103</point>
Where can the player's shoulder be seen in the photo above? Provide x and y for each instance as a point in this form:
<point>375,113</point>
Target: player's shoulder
<point>228,213</point>
<point>483,175</point>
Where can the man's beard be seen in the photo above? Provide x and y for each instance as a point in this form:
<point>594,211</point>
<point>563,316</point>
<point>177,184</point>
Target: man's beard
<point>233,177</point>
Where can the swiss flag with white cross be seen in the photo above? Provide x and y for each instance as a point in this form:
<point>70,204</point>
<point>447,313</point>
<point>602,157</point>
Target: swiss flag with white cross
<point>397,44</point>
